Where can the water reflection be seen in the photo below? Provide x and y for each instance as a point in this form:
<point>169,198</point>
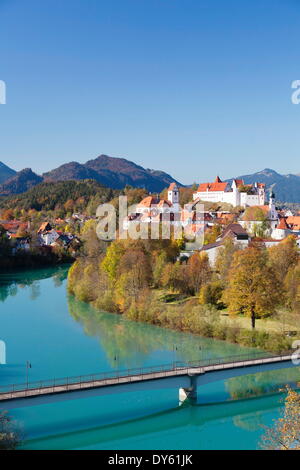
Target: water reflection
<point>248,386</point>
<point>12,282</point>
<point>128,343</point>
<point>192,427</point>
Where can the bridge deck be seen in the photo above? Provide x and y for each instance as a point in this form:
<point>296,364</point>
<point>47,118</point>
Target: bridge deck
<point>13,392</point>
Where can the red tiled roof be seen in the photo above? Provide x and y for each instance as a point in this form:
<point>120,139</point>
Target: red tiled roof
<point>294,222</point>
<point>149,201</point>
<point>9,226</point>
<point>172,186</point>
<point>216,186</point>
<point>44,227</point>
<point>283,225</point>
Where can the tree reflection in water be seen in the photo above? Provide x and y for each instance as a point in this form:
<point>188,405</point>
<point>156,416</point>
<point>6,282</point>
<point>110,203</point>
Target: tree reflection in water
<point>262,383</point>
<point>11,282</point>
<point>128,344</point>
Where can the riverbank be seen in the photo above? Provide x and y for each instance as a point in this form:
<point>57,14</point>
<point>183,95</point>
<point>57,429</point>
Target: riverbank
<point>185,316</point>
<point>61,337</point>
<point>145,281</point>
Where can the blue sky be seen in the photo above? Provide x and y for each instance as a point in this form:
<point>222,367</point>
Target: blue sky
<point>192,87</point>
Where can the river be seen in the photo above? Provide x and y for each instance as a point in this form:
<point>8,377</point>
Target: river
<point>60,337</point>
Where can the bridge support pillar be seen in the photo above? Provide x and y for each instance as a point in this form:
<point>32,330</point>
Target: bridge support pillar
<point>189,393</point>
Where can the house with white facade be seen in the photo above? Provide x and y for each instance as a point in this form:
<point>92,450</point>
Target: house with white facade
<point>271,216</point>
<point>153,209</point>
<point>47,235</point>
<point>236,194</point>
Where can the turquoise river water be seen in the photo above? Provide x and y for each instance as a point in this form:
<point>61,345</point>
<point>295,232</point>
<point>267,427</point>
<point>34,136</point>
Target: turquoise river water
<point>62,337</point>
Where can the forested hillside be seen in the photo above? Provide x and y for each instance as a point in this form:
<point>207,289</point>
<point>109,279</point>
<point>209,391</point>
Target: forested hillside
<point>47,196</point>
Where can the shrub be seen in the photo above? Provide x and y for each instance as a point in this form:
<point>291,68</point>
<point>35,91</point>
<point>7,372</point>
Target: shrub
<point>220,330</point>
<point>232,334</point>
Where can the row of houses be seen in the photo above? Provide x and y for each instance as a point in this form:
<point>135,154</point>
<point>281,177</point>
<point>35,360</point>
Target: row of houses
<point>154,209</point>
<point>240,237</point>
<point>275,224</point>
<point>21,236</point>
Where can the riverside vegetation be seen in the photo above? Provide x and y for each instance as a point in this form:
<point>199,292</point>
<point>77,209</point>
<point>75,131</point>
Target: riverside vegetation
<point>143,280</point>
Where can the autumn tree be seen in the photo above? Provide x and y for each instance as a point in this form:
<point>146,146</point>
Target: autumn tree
<point>253,288</point>
<point>93,247</point>
<point>10,436</point>
<point>174,277</point>
<point>292,287</point>
<point>284,256</point>
<point>254,213</point>
<point>212,234</point>
<point>159,261</point>
<point>225,257</point>
<point>285,433</point>
<point>211,294</point>
<point>7,214</point>
<point>69,205</point>
<point>134,275</point>
<point>198,271</point>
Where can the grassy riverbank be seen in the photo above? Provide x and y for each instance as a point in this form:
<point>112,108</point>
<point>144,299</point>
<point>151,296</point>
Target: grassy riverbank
<point>187,315</point>
<point>248,297</point>
<point>206,321</point>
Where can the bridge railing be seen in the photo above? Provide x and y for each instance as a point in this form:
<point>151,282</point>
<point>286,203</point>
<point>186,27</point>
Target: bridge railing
<point>163,370</point>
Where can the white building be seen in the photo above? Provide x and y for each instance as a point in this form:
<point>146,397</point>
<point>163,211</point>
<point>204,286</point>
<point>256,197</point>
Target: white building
<point>281,231</point>
<point>153,209</point>
<point>236,194</point>
<point>251,221</point>
<point>47,235</point>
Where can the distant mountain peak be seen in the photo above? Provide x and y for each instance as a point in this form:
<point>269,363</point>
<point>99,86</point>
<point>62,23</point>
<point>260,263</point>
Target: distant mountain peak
<point>114,172</point>
<point>5,172</point>
<point>20,182</point>
<point>268,171</point>
<point>285,187</point>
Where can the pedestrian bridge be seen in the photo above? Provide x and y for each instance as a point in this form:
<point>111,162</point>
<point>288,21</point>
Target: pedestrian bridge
<point>187,377</point>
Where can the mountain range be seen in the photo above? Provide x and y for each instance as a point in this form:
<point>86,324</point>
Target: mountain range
<point>5,173</point>
<point>116,173</point>
<point>285,187</point>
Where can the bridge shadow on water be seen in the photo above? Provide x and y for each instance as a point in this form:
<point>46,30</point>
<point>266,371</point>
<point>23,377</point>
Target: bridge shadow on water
<point>245,413</point>
<point>241,401</point>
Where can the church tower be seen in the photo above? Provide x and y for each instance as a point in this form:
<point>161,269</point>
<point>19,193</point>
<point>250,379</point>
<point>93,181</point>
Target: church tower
<point>173,194</point>
<point>272,209</point>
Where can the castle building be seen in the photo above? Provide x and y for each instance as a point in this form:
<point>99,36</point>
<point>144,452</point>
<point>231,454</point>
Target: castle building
<point>236,194</point>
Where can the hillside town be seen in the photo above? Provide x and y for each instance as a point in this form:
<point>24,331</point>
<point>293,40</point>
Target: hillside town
<point>249,216</point>
<point>242,212</point>
<point>20,237</point>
